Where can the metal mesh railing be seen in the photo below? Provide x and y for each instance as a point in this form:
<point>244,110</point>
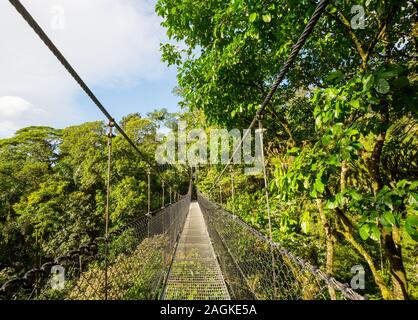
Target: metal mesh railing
<point>291,278</point>
<point>131,265</point>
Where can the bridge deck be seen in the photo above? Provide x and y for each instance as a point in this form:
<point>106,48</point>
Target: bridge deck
<point>195,273</point>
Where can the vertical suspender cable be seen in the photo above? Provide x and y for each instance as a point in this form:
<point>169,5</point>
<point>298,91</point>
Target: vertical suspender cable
<point>162,197</point>
<point>109,163</point>
<point>37,263</point>
<point>232,191</point>
<point>162,206</point>
<point>149,189</point>
<point>267,198</point>
<point>149,200</point>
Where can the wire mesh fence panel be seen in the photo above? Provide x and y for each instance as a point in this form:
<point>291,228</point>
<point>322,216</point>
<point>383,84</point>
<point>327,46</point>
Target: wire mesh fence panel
<point>270,271</point>
<point>237,286</point>
<point>132,264</point>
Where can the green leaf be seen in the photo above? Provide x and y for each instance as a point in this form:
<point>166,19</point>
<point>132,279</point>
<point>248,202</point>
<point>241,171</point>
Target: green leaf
<point>390,72</point>
<point>402,183</point>
<point>389,217</point>
<point>355,104</point>
<point>374,232</point>
<point>319,186</point>
<point>331,205</point>
<point>351,132</point>
<point>382,86</point>
<point>368,82</point>
<point>267,17</point>
<point>412,199</point>
<point>293,150</point>
<point>339,198</point>
<point>364,231</point>
<point>326,140</point>
<point>411,226</point>
<point>305,222</point>
<point>333,161</point>
<point>335,75</point>
<point>355,195</point>
<point>253,17</point>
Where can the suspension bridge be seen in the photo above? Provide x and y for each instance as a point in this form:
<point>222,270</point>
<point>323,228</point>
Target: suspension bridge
<point>191,248</point>
<point>203,252</point>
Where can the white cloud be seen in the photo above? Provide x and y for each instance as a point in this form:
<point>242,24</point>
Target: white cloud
<point>109,42</point>
<point>16,113</point>
<point>13,106</point>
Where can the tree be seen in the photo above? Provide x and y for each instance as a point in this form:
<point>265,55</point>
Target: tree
<point>357,89</point>
<point>53,187</point>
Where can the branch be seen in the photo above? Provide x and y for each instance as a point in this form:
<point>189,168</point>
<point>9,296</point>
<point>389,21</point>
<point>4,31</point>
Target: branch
<point>283,123</point>
<point>342,19</point>
<point>380,34</point>
<point>359,46</point>
<point>348,235</point>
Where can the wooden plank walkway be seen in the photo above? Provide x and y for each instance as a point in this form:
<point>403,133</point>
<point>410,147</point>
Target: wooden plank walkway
<point>195,273</point>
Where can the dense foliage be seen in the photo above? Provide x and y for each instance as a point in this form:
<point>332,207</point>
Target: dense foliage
<point>341,143</point>
<point>341,131</point>
<point>53,187</point>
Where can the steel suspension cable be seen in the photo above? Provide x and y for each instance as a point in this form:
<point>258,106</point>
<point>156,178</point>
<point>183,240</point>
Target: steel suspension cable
<point>267,198</point>
<point>51,46</point>
<point>320,9</point>
<point>110,136</point>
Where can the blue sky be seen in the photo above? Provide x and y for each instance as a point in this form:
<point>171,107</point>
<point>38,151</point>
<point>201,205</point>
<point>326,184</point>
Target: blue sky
<point>114,46</point>
<point>144,96</point>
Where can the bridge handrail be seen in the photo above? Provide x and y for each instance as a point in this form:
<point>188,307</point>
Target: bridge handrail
<point>343,288</point>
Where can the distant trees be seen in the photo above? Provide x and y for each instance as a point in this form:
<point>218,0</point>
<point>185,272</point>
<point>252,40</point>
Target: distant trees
<point>52,194</point>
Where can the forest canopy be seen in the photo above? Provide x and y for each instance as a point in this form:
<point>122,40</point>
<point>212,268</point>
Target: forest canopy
<point>53,190</point>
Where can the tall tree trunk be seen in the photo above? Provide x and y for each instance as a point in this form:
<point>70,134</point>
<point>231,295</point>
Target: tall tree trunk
<point>348,235</point>
<point>393,250</point>
<point>391,240</point>
<point>348,231</point>
<point>330,240</point>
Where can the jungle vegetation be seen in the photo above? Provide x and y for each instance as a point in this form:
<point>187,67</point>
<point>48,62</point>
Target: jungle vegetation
<point>342,131</point>
<point>341,141</point>
<point>53,187</point>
